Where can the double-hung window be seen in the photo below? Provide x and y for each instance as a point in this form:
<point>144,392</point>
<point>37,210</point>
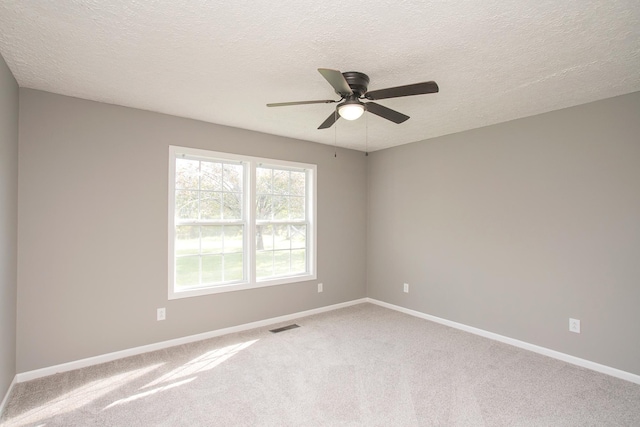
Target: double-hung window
<point>238,222</point>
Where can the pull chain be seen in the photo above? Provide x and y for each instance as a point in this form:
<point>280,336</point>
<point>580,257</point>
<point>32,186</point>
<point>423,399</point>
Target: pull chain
<point>366,135</point>
<point>335,133</point>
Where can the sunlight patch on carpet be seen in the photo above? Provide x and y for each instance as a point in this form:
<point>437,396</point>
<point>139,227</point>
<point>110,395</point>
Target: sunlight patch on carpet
<point>202,363</point>
<point>80,396</point>
<point>148,393</point>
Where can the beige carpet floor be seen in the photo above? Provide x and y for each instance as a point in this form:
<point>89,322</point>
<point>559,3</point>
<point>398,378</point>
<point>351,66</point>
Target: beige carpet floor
<point>359,366</point>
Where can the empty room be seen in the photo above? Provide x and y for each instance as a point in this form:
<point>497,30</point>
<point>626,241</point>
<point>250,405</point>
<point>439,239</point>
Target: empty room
<point>327,213</point>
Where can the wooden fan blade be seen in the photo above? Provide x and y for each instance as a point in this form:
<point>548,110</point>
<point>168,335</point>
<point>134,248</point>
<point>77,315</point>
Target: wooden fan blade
<point>337,80</point>
<point>330,120</point>
<point>285,104</point>
<point>386,113</point>
<point>408,90</point>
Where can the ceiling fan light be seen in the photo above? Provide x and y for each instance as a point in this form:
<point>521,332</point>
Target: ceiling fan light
<point>351,111</point>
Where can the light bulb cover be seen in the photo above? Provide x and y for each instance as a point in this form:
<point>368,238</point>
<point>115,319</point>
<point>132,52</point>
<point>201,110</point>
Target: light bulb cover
<point>351,110</point>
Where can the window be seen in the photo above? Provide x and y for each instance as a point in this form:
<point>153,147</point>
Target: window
<point>238,222</point>
<point>281,223</point>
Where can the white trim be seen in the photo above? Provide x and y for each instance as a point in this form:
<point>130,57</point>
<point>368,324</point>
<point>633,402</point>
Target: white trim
<point>312,205</point>
<point>95,360</point>
<point>628,376</point>
<point>7,394</point>
<point>250,214</point>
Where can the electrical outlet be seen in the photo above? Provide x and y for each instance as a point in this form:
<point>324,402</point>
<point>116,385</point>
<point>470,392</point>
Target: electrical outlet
<point>574,325</point>
<point>162,314</point>
<point>319,287</point>
<point>406,288</point>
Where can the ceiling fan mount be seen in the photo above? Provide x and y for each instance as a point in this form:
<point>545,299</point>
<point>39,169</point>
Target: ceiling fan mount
<point>352,86</point>
<point>358,82</point>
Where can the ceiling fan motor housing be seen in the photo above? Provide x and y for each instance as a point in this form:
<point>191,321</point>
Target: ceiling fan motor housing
<point>358,82</point>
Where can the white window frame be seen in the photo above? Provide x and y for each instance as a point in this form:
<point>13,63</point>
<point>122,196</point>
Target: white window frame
<point>249,219</point>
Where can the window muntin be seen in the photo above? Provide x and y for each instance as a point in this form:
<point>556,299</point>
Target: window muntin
<point>238,222</point>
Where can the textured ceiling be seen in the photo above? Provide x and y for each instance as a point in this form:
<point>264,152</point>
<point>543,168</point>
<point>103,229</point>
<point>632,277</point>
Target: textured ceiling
<point>221,62</point>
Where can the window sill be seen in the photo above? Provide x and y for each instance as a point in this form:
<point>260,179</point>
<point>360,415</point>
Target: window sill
<point>239,286</point>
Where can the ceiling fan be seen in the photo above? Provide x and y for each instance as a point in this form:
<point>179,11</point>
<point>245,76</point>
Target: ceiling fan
<point>352,88</point>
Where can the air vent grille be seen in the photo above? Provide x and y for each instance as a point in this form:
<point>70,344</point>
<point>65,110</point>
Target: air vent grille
<point>284,328</point>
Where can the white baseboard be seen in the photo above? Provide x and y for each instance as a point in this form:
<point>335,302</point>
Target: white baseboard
<point>95,360</point>
<point>628,376</point>
<point>64,367</point>
<point>7,394</point>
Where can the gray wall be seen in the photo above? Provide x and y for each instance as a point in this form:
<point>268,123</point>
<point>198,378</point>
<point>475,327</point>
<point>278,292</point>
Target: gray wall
<point>8,224</point>
<point>516,227</point>
<point>92,260</point>
<point>512,228</point>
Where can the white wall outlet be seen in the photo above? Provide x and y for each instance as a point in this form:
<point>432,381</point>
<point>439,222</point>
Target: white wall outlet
<point>162,314</point>
<point>406,287</point>
<point>319,287</point>
<point>574,325</point>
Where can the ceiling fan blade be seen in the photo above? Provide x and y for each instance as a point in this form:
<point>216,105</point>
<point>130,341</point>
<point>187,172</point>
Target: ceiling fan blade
<point>285,104</point>
<point>408,90</point>
<point>337,80</point>
<point>330,120</point>
<point>386,113</point>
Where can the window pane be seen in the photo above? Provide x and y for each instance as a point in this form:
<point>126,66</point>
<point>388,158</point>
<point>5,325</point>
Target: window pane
<point>187,271</point>
<point>263,181</point>
<point>186,205</point>
<point>280,207</point>
<point>210,204</point>
<point>264,264</point>
<point>298,183</point>
<point>211,239</point>
<point>296,208</point>
<point>263,207</point>
<point>232,206</point>
<point>298,236</point>
<point>281,237</point>
<point>264,237</point>
<point>232,238</point>
<point>281,263</point>
<point>232,178</point>
<point>233,267</point>
<point>187,174</point>
<point>187,240</point>
<point>211,176</point>
<point>280,182</point>
<point>211,269</point>
<point>298,261</point>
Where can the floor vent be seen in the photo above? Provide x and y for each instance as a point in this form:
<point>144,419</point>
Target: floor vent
<point>284,328</point>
